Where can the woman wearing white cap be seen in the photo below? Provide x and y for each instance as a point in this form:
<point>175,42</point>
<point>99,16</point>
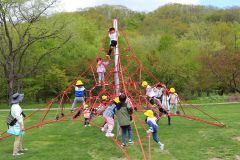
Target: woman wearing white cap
<point>16,127</point>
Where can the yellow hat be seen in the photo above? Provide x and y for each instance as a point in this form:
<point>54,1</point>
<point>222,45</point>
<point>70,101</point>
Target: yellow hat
<point>172,90</point>
<point>79,82</point>
<point>144,83</point>
<point>116,100</point>
<point>104,97</point>
<point>149,113</point>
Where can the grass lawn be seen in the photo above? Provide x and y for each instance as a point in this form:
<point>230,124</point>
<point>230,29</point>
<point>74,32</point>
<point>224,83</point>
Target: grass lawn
<point>184,139</point>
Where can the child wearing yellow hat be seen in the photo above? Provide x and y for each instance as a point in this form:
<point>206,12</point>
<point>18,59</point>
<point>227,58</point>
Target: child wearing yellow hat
<point>103,105</point>
<point>149,92</point>
<point>79,94</point>
<point>174,99</point>
<point>153,127</point>
<point>108,115</point>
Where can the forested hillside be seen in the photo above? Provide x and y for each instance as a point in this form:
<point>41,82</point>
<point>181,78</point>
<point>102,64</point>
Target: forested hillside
<point>196,49</point>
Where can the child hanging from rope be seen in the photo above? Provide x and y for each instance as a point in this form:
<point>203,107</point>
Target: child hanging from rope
<point>79,94</point>
<point>108,115</point>
<point>153,127</point>
<point>174,99</point>
<point>86,115</point>
<point>101,70</point>
<point>113,35</point>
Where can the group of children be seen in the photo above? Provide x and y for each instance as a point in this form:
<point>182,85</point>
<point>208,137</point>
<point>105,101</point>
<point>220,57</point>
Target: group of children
<point>121,108</point>
<point>158,96</point>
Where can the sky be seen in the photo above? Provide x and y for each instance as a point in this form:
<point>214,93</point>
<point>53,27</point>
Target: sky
<point>141,5</point>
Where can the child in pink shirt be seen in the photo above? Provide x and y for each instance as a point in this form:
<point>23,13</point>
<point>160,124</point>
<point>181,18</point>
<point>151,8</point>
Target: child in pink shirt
<point>101,69</point>
<point>86,115</point>
<point>174,99</point>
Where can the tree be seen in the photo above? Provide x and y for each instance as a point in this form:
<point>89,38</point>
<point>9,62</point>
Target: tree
<point>21,29</point>
<point>225,67</point>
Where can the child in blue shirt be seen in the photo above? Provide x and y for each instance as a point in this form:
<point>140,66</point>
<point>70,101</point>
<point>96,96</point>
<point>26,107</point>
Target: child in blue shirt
<point>108,114</point>
<point>153,127</point>
<point>79,94</point>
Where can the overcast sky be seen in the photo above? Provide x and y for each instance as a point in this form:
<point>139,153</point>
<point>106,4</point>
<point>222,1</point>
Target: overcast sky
<point>141,5</point>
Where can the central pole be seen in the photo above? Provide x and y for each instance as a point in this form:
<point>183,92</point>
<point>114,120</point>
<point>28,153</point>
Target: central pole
<point>116,61</point>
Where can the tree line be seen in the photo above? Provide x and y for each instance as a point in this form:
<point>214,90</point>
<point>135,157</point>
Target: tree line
<point>195,49</point>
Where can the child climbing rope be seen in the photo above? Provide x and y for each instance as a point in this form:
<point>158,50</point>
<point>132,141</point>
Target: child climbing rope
<point>103,105</point>
<point>79,94</point>
<point>86,115</point>
<point>149,92</point>
<point>174,99</point>
<point>165,100</point>
<point>108,115</point>
<point>101,69</point>
<point>113,35</point>
<point>153,127</point>
<point>157,93</point>
<point>101,108</point>
<point>164,112</point>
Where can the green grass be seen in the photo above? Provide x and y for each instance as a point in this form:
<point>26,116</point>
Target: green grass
<point>209,99</point>
<point>184,140</point>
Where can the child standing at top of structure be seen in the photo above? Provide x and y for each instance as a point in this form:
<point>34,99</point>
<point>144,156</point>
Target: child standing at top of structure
<point>174,99</point>
<point>101,69</point>
<point>79,94</point>
<point>113,35</point>
<point>153,127</point>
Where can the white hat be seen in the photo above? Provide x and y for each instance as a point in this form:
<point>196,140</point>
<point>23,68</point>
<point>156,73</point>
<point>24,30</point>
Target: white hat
<point>16,98</point>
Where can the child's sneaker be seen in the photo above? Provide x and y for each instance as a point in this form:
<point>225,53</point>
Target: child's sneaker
<point>102,129</point>
<point>89,125</point>
<point>72,110</point>
<point>161,147</point>
<point>85,125</point>
<point>150,131</point>
<point>17,154</point>
<point>22,150</point>
<point>109,135</point>
<point>130,142</point>
<point>123,145</point>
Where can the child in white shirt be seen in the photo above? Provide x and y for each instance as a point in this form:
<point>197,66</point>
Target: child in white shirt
<point>153,127</point>
<point>113,40</point>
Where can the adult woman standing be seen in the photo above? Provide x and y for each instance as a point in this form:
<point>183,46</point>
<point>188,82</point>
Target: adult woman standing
<point>17,128</point>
